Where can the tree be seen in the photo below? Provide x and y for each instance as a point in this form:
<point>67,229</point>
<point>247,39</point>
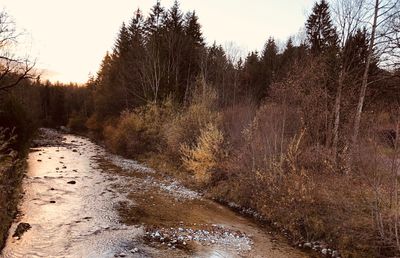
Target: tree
<point>153,66</point>
<point>269,61</point>
<point>253,77</point>
<point>13,68</point>
<point>382,13</point>
<point>174,39</point>
<point>321,34</point>
<point>134,64</point>
<point>348,17</point>
<point>194,48</point>
<point>323,41</point>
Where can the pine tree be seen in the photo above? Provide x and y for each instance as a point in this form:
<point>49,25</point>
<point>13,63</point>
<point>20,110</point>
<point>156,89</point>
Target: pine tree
<point>174,18</point>
<point>253,77</point>
<point>355,51</point>
<point>155,20</point>
<point>192,52</point>
<point>133,65</point>
<point>192,29</point>
<point>269,62</point>
<point>174,42</point>
<point>287,59</point>
<point>121,46</point>
<point>154,68</point>
<point>321,34</point>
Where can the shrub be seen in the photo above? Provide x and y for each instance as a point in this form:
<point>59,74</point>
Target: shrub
<point>185,127</point>
<point>14,115</point>
<point>139,131</point>
<point>204,157</point>
<point>77,122</point>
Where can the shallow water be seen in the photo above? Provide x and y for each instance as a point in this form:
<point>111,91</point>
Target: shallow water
<point>83,219</point>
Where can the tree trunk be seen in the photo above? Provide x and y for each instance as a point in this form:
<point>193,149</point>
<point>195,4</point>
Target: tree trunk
<point>357,119</point>
<point>335,132</point>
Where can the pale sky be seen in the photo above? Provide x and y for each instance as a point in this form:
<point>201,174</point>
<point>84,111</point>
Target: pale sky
<point>69,38</point>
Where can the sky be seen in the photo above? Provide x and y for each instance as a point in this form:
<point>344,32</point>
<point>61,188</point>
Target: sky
<point>69,38</point>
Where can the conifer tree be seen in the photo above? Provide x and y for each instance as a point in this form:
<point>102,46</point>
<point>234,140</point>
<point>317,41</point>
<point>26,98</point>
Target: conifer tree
<point>269,61</point>
<point>174,40</point>
<point>321,33</point>
<point>193,49</point>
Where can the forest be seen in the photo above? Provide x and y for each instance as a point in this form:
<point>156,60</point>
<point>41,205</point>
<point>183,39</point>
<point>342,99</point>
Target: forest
<point>304,135</point>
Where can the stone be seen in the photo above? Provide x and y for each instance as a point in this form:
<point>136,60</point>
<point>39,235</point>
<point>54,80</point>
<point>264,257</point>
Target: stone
<point>134,250</point>
<point>71,182</point>
<point>21,229</point>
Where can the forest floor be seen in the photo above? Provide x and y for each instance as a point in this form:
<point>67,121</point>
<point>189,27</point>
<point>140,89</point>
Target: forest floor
<point>81,201</point>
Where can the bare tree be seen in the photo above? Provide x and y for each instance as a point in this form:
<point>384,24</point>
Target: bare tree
<point>13,69</point>
<point>382,12</point>
<point>348,17</point>
<point>234,55</point>
<point>392,38</point>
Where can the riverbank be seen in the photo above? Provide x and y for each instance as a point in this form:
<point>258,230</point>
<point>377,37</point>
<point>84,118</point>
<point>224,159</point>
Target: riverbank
<point>11,175</point>
<point>82,201</point>
<point>273,226</point>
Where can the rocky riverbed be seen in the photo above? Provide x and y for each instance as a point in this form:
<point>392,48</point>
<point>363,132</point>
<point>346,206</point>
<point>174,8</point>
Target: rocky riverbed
<point>81,201</point>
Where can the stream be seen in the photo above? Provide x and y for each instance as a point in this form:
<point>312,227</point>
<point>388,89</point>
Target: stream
<point>81,201</point>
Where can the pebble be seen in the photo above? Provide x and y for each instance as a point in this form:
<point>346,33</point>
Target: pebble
<point>134,250</point>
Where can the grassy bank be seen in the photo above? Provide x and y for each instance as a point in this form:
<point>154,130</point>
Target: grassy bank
<point>11,175</point>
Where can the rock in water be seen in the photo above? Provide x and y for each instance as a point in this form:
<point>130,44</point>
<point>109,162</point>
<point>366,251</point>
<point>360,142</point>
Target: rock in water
<point>21,229</point>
